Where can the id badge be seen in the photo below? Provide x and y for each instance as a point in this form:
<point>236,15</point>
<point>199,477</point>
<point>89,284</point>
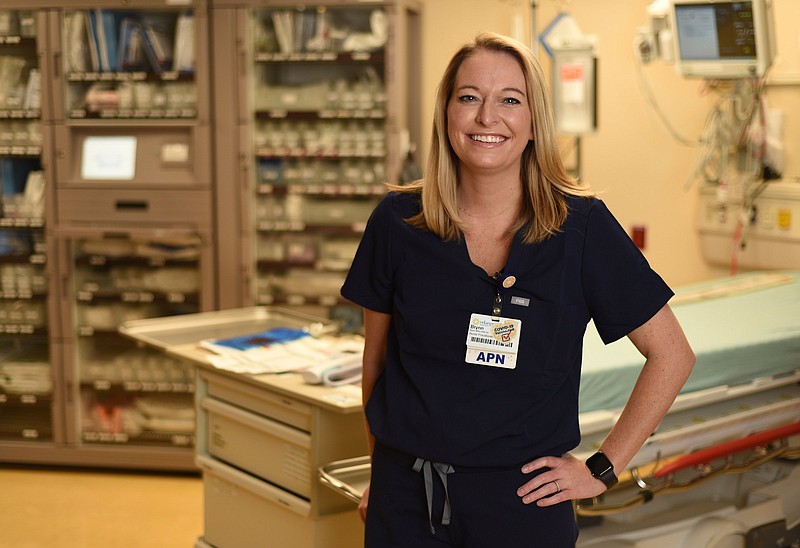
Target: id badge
<point>493,341</point>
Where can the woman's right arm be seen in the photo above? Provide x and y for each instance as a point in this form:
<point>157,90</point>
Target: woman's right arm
<point>376,330</point>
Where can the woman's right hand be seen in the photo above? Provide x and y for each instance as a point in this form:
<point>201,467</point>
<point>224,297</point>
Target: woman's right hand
<point>362,505</point>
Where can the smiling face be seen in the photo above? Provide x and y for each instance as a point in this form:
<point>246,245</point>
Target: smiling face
<point>488,117</point>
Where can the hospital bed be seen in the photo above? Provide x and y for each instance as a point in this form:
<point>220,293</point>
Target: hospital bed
<point>721,470</point>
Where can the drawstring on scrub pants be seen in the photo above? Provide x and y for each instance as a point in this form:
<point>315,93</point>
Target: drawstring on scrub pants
<point>441,470</point>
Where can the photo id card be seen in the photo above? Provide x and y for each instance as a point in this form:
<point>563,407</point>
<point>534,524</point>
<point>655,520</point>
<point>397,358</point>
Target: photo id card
<point>493,341</point>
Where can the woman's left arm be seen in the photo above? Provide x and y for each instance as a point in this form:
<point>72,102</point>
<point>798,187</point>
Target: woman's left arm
<point>668,362</point>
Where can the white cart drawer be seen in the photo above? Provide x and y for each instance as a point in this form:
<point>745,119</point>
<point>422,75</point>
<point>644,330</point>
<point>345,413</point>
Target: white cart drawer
<point>263,402</point>
<point>264,447</point>
<point>242,511</point>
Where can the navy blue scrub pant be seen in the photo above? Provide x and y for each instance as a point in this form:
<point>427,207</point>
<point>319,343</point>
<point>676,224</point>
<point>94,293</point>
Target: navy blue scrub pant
<point>485,509</point>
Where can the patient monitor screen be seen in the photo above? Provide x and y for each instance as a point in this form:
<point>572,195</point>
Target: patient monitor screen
<point>722,31</point>
<point>112,157</point>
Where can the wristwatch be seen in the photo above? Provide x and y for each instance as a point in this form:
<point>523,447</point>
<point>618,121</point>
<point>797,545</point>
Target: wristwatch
<point>602,469</point>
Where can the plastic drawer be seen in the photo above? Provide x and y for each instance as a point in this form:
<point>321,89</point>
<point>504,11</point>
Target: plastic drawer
<point>275,406</point>
<point>264,447</point>
<point>99,206</point>
<point>244,512</point>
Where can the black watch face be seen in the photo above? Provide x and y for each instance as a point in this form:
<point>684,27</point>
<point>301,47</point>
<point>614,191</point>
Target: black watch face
<point>598,464</point>
<point>602,469</point>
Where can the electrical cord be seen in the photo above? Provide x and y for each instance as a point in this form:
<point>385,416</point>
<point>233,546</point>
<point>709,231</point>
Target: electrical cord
<point>650,99</point>
<point>712,164</point>
<point>716,137</point>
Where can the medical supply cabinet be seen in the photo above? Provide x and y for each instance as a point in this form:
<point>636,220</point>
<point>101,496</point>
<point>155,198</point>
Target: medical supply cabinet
<point>317,98</point>
<point>28,394</point>
<point>127,233</point>
<point>161,158</point>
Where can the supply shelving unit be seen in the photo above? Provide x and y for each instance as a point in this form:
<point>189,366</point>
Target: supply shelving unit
<point>211,174</point>
<point>133,217</point>
<point>129,224</point>
<point>315,98</point>
<point>28,379</point>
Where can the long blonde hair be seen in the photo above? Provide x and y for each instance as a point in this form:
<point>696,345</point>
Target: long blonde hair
<point>545,180</point>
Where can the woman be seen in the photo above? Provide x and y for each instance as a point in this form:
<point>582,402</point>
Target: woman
<point>477,283</point>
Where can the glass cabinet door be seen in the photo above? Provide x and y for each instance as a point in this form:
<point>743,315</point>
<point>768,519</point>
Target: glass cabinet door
<point>319,104</point>
<point>26,378</point>
<point>129,394</point>
<point>123,64</point>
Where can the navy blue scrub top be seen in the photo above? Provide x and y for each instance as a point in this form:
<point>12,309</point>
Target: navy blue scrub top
<point>430,402</point>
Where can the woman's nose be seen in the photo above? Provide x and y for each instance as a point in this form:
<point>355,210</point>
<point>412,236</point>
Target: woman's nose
<point>487,115</point>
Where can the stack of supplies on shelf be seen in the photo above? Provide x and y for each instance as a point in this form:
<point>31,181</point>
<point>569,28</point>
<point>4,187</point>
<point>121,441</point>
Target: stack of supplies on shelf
<point>165,415</point>
<point>279,350</point>
<point>107,40</point>
<point>25,378</point>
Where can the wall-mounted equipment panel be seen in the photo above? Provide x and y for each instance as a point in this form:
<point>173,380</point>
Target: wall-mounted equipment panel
<point>322,94</point>
<point>763,234</point>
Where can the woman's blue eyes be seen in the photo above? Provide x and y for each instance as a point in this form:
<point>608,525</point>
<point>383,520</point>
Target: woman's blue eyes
<point>506,100</point>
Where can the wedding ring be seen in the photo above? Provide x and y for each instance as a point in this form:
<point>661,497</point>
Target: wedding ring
<point>558,488</point>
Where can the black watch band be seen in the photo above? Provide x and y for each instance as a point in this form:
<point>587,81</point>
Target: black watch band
<point>602,469</point>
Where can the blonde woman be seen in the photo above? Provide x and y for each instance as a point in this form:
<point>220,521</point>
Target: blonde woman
<point>477,284</point>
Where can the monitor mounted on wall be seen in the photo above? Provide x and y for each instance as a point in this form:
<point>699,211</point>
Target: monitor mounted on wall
<point>719,39</point>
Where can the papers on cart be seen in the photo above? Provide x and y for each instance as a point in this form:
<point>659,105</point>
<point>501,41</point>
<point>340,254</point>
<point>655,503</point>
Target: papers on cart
<point>278,350</point>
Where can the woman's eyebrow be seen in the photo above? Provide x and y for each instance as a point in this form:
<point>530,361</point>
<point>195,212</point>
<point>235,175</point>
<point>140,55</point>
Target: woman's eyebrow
<point>505,90</point>
<point>515,90</point>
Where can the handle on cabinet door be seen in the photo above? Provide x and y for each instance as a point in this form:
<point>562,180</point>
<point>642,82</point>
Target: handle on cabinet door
<point>64,286</point>
<point>56,65</point>
<point>139,205</point>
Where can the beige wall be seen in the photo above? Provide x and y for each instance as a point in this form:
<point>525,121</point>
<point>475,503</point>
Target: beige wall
<point>631,160</point>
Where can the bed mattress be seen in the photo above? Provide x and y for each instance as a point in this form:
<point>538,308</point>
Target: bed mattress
<point>741,328</point>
